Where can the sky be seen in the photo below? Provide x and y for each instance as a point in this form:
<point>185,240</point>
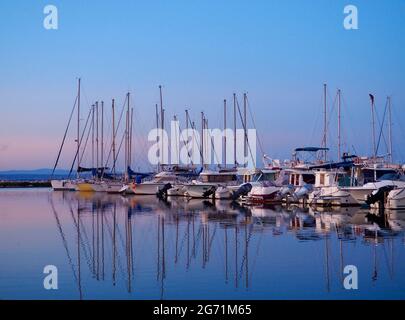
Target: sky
<point>279,52</point>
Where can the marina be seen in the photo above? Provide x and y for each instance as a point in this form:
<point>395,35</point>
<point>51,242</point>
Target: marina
<point>202,157</point>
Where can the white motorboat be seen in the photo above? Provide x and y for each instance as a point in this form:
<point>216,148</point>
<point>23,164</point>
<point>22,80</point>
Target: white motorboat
<point>396,199</point>
<point>157,183</point>
<point>327,189</point>
<point>360,193</point>
<point>209,181</point>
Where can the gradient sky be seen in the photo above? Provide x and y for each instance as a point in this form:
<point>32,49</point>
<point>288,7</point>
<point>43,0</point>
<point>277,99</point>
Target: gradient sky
<point>280,52</point>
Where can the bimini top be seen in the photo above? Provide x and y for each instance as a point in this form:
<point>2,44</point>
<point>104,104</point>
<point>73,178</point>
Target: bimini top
<point>311,149</point>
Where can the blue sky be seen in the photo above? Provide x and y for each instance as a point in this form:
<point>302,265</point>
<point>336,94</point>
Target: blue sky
<point>280,52</point>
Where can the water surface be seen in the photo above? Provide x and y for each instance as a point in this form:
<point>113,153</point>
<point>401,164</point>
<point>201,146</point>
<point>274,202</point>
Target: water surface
<point>116,247</point>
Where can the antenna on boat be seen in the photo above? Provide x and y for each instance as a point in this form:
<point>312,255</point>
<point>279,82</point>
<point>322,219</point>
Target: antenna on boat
<point>373,125</point>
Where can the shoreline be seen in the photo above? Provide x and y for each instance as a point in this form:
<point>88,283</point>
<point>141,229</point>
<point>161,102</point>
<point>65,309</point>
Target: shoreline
<point>25,184</point>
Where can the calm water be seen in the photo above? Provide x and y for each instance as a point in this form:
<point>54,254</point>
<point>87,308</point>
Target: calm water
<point>115,247</point>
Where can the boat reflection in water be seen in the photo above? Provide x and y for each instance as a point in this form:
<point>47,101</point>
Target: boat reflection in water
<point>113,246</point>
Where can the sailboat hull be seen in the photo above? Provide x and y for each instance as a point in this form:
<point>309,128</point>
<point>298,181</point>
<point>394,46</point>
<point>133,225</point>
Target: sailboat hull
<point>63,185</point>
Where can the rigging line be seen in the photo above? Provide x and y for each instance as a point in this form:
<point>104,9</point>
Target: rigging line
<point>346,110</point>
<point>212,143</point>
<point>119,148</point>
<point>82,244</point>
<point>328,127</point>
<point>64,136</point>
<point>381,127</point>
<point>116,131</point>
<point>80,142</point>
<point>245,134</point>
<point>87,138</point>
<point>65,244</point>
<point>185,144</point>
<point>254,125</point>
<point>195,140</point>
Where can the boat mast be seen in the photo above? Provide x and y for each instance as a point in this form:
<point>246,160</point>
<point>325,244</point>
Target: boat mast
<point>186,142</point>
<point>202,138</point>
<point>244,129</point>
<point>390,129</point>
<point>92,135</point>
<point>130,137</point>
<point>97,137</point>
<point>127,140</point>
<point>225,133</point>
<point>78,127</point>
<point>161,119</point>
<point>373,125</point>
<point>113,138</point>
<point>339,124</point>
<point>234,129</point>
<point>157,137</point>
<point>324,120</point>
<point>102,136</point>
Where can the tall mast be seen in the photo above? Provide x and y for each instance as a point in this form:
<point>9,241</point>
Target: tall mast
<point>186,142</point>
<point>102,136</point>
<point>177,139</point>
<point>373,125</point>
<point>97,150</point>
<point>126,139</point>
<point>234,129</point>
<point>324,120</point>
<point>193,141</point>
<point>78,128</point>
<point>339,124</point>
<point>244,127</point>
<point>390,129</point>
<point>157,138</point>
<point>92,135</point>
<point>162,123</point>
<point>130,137</point>
<point>224,132</point>
<point>113,138</point>
<point>202,138</point>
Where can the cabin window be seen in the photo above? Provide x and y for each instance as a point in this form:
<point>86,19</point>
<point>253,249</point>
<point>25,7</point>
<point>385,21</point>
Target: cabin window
<point>308,178</point>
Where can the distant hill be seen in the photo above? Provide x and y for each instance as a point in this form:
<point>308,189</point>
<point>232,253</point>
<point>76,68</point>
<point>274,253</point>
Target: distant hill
<point>43,171</point>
